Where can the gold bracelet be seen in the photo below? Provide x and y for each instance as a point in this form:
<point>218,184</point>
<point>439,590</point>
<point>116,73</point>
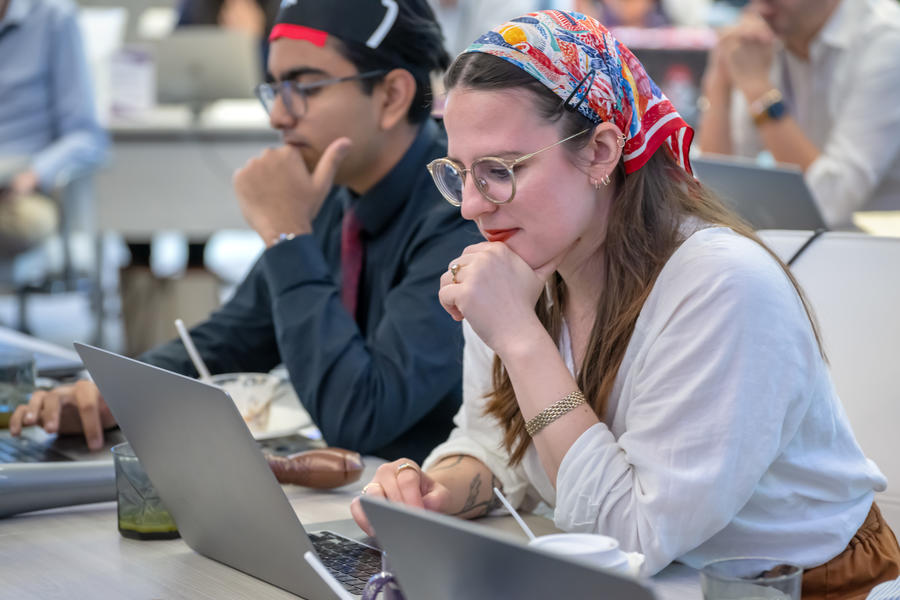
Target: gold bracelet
<point>554,411</point>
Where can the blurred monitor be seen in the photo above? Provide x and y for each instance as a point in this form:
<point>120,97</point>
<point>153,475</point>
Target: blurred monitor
<point>766,197</point>
<point>200,64</point>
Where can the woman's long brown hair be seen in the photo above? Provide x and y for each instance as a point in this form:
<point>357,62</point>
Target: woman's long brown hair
<point>646,214</point>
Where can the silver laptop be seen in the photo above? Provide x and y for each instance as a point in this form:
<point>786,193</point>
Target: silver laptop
<point>210,473</point>
<point>767,198</point>
<point>199,64</point>
<point>36,446</point>
<point>40,470</point>
<point>438,557</point>
<point>54,365</point>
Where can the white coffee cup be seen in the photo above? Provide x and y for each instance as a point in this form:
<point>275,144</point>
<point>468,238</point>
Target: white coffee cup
<point>599,550</point>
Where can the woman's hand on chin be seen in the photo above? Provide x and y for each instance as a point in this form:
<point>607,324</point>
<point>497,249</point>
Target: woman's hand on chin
<point>495,291</point>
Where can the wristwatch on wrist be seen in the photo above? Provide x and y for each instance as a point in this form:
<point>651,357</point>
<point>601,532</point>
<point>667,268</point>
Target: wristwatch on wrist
<point>768,107</point>
<point>282,237</point>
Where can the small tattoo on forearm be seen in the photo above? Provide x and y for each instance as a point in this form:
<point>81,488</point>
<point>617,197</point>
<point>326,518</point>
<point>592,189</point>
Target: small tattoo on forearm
<point>472,505</point>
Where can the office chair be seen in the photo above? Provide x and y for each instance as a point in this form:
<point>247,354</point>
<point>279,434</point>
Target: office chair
<point>851,280</point>
<point>69,260</point>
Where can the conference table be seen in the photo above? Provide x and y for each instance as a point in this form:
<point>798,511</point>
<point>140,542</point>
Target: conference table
<point>76,552</point>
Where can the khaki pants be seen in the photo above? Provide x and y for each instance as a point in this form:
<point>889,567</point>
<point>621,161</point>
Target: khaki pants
<point>871,557</point>
<point>25,221</point>
<point>150,305</point>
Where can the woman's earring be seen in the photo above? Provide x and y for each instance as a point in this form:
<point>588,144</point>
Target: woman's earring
<point>604,181</point>
<point>595,183</point>
<point>621,141</point>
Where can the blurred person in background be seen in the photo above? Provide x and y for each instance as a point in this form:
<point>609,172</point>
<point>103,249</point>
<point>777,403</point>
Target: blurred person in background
<point>624,13</point>
<point>814,83</point>
<point>49,130</point>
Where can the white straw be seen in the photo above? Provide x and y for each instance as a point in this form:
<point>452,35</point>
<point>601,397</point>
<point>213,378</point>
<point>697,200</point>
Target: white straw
<point>326,576</point>
<point>192,351</point>
<point>513,512</point>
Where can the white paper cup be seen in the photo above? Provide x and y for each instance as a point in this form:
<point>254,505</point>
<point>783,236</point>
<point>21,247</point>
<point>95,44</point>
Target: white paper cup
<point>252,393</point>
<point>599,550</point>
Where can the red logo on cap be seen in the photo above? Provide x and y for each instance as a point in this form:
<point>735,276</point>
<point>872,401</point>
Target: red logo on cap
<point>298,32</point>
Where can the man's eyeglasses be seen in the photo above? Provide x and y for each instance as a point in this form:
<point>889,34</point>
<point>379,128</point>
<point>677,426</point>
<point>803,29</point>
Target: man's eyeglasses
<point>294,94</point>
<point>494,177</point>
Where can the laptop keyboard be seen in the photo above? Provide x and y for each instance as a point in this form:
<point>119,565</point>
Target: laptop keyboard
<point>21,449</point>
<point>351,562</point>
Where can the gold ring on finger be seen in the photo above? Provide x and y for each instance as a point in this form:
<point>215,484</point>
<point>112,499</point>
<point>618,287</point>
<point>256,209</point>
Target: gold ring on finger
<point>406,465</point>
<point>368,485</point>
<point>454,269</point>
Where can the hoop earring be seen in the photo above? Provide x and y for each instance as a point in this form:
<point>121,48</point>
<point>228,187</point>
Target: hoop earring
<point>604,181</point>
<point>621,141</point>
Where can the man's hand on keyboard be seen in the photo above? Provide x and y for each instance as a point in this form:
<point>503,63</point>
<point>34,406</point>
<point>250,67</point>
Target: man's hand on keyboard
<point>66,409</point>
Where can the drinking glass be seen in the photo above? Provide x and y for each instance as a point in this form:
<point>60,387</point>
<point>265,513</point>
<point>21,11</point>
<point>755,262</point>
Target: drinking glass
<point>17,373</point>
<point>751,579</point>
<point>142,515</point>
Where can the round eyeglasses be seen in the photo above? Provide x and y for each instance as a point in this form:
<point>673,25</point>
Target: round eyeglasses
<point>294,94</point>
<point>495,178</point>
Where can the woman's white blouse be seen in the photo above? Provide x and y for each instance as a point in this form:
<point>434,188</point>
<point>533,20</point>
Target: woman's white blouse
<point>723,436</point>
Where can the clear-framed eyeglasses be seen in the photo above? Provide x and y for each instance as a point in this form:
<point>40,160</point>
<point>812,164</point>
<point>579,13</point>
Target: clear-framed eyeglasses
<point>294,94</point>
<point>495,178</point>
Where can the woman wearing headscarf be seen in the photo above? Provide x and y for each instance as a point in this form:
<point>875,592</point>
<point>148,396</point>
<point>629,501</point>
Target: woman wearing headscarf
<point>635,357</point>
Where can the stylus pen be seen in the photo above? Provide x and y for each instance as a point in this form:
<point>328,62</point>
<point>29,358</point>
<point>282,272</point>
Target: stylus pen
<point>192,351</point>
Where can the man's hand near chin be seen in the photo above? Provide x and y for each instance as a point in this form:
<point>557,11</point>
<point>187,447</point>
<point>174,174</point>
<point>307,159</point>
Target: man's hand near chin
<point>68,409</point>
<point>277,192</point>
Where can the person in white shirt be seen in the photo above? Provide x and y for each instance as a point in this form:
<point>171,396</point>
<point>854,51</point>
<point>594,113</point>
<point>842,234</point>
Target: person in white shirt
<point>815,83</point>
<point>635,357</point>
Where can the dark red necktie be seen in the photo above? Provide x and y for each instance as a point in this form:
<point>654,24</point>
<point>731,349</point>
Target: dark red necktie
<point>351,260</point>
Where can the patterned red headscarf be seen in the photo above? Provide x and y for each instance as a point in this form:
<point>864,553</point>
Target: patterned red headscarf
<point>576,57</point>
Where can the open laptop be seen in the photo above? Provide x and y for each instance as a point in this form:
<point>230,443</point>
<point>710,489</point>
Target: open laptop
<point>36,446</point>
<point>766,197</point>
<point>199,64</point>
<point>213,478</point>
<point>465,560</point>
<point>54,366</point>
